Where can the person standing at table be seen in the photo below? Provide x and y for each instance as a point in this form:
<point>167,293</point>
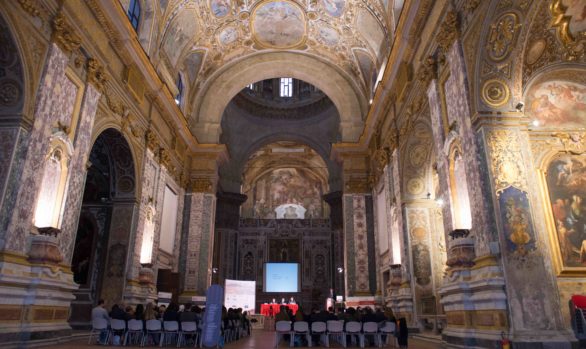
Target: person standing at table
<point>283,301</point>
<point>292,301</point>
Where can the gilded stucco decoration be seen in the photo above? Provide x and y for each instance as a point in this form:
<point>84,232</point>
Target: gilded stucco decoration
<point>152,141</point>
<point>448,32</point>
<point>96,74</point>
<point>568,20</point>
<point>64,34</point>
<point>506,160</point>
<point>226,31</point>
<point>503,36</point>
<point>202,185</point>
<point>495,93</point>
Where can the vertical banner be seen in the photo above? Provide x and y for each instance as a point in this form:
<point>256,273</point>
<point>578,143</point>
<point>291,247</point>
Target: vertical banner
<point>213,316</point>
<point>240,294</point>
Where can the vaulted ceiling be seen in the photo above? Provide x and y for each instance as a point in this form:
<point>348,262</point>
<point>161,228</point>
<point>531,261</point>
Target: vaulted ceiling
<point>220,46</point>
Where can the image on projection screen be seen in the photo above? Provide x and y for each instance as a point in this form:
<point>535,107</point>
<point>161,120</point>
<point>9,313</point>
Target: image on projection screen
<point>281,277</point>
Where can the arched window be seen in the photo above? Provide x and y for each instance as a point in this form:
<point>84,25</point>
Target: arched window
<point>179,96</point>
<point>286,88</point>
<point>134,13</point>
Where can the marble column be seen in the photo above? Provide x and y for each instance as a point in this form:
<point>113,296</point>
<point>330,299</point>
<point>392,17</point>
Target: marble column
<point>534,309</point>
<point>37,283</point>
<point>139,286</point>
<point>472,293</point>
<point>334,200</point>
<point>226,236</point>
<point>197,239</point>
<point>360,272</point>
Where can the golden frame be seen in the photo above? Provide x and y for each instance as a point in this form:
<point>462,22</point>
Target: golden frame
<point>560,269</point>
<point>267,45</point>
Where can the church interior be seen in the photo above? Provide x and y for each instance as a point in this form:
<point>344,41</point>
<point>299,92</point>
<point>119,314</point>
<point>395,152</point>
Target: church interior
<point>426,156</point>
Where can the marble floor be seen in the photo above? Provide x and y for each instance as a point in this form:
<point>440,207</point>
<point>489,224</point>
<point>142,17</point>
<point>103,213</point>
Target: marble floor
<point>260,339</point>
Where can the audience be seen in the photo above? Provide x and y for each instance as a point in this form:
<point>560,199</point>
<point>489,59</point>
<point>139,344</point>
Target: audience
<point>236,321</point>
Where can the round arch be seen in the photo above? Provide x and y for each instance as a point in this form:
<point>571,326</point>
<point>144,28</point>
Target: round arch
<point>228,81</point>
<point>237,165</point>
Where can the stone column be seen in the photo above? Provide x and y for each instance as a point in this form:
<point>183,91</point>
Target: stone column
<point>37,283</point>
<point>198,239</point>
<point>360,258</point>
<point>534,308</point>
<point>226,236</point>
<point>473,291</point>
<point>334,199</point>
<point>140,285</point>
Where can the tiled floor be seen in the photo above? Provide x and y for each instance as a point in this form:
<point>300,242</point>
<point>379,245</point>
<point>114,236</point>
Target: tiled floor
<point>260,339</point>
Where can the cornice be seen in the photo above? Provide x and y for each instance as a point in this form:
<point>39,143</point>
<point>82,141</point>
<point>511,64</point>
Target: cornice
<point>112,19</point>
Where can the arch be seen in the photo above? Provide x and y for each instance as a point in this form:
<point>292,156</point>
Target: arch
<point>109,206</point>
<point>228,81</point>
<point>100,128</point>
<point>13,90</point>
<point>236,166</point>
<point>273,182</point>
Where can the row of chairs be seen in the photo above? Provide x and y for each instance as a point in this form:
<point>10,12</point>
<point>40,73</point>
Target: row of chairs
<point>165,332</point>
<point>336,329</point>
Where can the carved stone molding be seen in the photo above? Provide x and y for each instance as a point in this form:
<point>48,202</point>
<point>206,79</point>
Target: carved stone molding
<point>495,93</point>
<point>503,36</point>
<point>64,35</point>
<point>572,142</point>
<point>448,32</point>
<point>95,74</point>
<point>152,141</point>
<point>202,185</point>
<point>31,7</point>
<point>356,185</point>
<point>506,160</point>
<point>165,159</point>
<point>427,71</point>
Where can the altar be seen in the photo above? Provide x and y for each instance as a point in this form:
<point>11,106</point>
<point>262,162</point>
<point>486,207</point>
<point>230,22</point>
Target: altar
<point>272,309</point>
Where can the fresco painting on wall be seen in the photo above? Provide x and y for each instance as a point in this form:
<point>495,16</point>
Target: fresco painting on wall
<point>558,104</point>
<point>566,183</point>
<point>220,8</point>
<point>278,24</point>
<point>178,35</point>
<point>285,186</point>
<point>516,218</point>
<point>334,7</point>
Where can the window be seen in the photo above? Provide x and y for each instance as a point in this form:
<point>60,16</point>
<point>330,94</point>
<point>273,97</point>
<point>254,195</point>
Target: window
<point>134,13</point>
<point>286,89</point>
<point>179,97</point>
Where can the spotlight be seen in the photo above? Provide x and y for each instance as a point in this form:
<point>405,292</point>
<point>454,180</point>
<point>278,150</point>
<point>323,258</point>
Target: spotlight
<point>340,270</point>
<point>535,123</point>
<point>214,270</point>
<point>520,106</point>
<point>439,202</point>
<point>370,102</point>
<point>177,101</point>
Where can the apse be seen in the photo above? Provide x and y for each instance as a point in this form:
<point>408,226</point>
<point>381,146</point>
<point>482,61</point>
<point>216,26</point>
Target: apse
<point>285,180</point>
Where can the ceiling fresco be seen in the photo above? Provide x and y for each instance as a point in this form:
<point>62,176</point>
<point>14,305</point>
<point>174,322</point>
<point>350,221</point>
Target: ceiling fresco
<point>201,37</point>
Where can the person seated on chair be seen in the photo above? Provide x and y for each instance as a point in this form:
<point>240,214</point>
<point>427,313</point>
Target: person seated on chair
<point>283,315</point>
<point>99,312</point>
<point>292,301</point>
<point>283,301</point>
